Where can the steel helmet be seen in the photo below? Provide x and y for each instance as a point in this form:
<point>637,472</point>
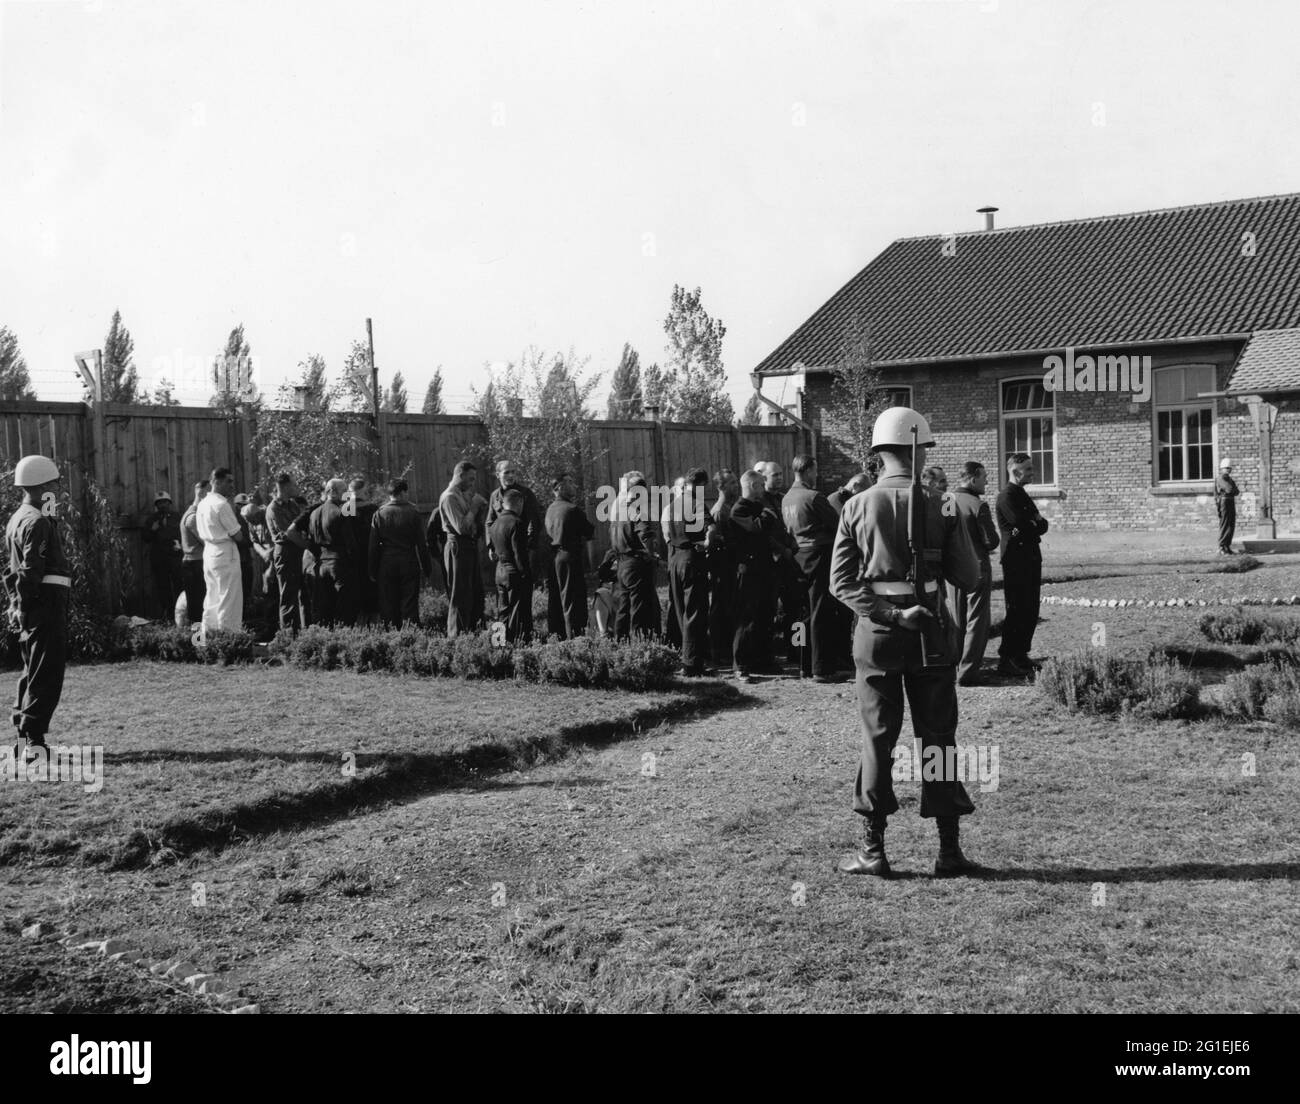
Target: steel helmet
<point>35,471</point>
<point>894,427</point>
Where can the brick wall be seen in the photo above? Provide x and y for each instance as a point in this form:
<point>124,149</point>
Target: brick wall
<point>1104,445</point>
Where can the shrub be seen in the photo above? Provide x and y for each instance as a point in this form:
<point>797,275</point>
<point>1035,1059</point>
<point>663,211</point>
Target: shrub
<point>1234,566</point>
<point>1102,683</point>
<point>1270,693</point>
<point>225,647</point>
<point>641,664</point>
<point>1239,627</point>
<point>474,656</point>
<point>433,609</point>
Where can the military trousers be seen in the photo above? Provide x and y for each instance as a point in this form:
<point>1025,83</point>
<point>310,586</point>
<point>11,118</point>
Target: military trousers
<point>688,591</point>
<point>722,607</point>
<point>971,614</point>
<point>336,590</point>
<point>464,584</point>
<point>888,660</point>
<point>286,562</point>
<point>819,655</point>
<point>43,645</point>
<point>755,601</point>
<point>196,590</point>
<point>515,601</point>
<point>566,595</point>
<point>398,586</point>
<point>1227,523</point>
<point>1022,580</point>
<point>636,603</point>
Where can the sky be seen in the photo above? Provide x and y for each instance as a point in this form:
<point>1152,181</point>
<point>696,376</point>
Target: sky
<point>479,178</point>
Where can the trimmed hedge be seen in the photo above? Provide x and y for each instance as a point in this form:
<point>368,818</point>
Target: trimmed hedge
<point>1238,627</point>
<point>583,662</point>
<point>1270,693</point>
<point>1102,683</point>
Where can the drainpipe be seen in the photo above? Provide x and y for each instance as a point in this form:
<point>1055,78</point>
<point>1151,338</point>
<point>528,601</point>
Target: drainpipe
<point>757,380</point>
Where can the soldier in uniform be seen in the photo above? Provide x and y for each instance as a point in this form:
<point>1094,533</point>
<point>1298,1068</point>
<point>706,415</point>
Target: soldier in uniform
<point>39,581</point>
<point>870,568</point>
<point>1225,505</point>
<point>397,556</point>
<point>510,550</point>
<point>789,585</point>
<point>722,572</point>
<point>970,610</point>
<point>461,521</point>
<point>360,512</point>
<point>632,537</point>
<point>685,527</point>
<point>336,578</point>
<point>751,528</point>
<point>287,546</point>
<point>568,529</point>
<point>812,522</point>
<point>162,533</point>
<point>196,589</point>
<point>1021,527</point>
<point>508,478</point>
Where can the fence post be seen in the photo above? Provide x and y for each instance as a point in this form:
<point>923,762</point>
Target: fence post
<point>659,475</point>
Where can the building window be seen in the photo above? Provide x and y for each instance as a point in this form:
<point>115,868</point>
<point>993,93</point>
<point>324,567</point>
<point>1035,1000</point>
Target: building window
<point>1184,424</point>
<point>1029,425</point>
<point>893,394</point>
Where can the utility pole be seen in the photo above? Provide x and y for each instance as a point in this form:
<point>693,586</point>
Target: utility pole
<point>374,373</point>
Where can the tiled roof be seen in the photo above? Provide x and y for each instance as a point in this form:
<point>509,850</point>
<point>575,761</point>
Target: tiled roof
<point>1153,276</point>
<point>1269,363</point>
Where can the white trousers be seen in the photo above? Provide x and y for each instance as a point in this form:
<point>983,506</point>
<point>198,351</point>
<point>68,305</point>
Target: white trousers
<point>223,608</point>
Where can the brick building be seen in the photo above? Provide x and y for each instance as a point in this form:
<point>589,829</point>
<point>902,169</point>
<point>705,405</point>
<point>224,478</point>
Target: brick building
<point>963,328</point>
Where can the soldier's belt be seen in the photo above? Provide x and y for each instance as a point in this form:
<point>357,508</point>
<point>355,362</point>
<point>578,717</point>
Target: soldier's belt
<point>902,588</point>
<point>56,580</point>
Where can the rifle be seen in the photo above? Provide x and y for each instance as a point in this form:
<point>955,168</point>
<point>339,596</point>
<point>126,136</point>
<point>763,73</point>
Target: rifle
<point>934,635</point>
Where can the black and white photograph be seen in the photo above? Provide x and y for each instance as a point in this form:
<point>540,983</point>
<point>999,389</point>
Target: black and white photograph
<point>556,507</point>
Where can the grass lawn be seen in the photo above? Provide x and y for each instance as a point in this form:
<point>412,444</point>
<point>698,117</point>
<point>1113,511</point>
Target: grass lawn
<point>681,858</point>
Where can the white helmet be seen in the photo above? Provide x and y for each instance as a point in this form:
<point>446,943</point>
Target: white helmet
<point>894,427</point>
<point>35,471</point>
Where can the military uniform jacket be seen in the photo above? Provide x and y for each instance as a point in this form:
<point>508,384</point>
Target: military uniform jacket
<point>809,517</point>
<point>509,537</point>
<point>871,546</point>
<point>1016,511</point>
<point>332,530</point>
<point>35,550</point>
<point>567,526</point>
<point>162,533</point>
<point>750,529</point>
<point>631,532</point>
<point>397,532</point>
<point>531,515</point>
<point>781,539</point>
<point>1225,487</point>
<point>978,519</point>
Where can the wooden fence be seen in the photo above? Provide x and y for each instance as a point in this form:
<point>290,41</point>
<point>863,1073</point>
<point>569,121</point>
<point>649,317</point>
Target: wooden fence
<point>148,449</point>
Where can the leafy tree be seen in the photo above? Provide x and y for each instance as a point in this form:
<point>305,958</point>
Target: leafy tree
<point>121,382</point>
<point>856,395</point>
<point>433,394</point>
<point>696,381</point>
<point>316,393</point>
<point>313,445</point>
<point>395,398</point>
<point>536,413</point>
<point>656,390</point>
<point>15,383</point>
<point>752,415</point>
<point>228,398</point>
<point>352,389</point>
<point>162,393</point>
<point>625,388</point>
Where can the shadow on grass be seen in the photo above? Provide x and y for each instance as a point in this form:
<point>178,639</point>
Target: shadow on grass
<point>1173,872</point>
<point>394,778</point>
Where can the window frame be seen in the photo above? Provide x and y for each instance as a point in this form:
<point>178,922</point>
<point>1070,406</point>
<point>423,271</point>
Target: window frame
<point>1192,405</point>
<point>1003,417</point>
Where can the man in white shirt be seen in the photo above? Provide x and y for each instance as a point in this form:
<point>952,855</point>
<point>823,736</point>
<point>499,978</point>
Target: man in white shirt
<point>463,513</point>
<point>223,607</point>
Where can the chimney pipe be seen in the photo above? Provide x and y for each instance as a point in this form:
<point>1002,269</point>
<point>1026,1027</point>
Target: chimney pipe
<point>987,212</point>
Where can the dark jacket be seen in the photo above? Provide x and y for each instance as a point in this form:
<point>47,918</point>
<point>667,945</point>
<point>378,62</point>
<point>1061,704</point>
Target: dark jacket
<point>809,517</point>
<point>509,538</point>
<point>397,532</point>
<point>330,528</point>
<point>750,529</point>
<point>1019,521</point>
<point>567,526</point>
<point>531,515</point>
<point>978,519</point>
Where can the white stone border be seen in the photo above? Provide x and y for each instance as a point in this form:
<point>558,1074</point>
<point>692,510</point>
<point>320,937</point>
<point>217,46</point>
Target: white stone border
<point>1058,600</point>
<point>200,982</point>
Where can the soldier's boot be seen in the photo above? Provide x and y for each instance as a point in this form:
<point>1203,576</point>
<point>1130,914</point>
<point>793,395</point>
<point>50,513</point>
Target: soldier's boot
<point>871,858</point>
<point>951,863</point>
